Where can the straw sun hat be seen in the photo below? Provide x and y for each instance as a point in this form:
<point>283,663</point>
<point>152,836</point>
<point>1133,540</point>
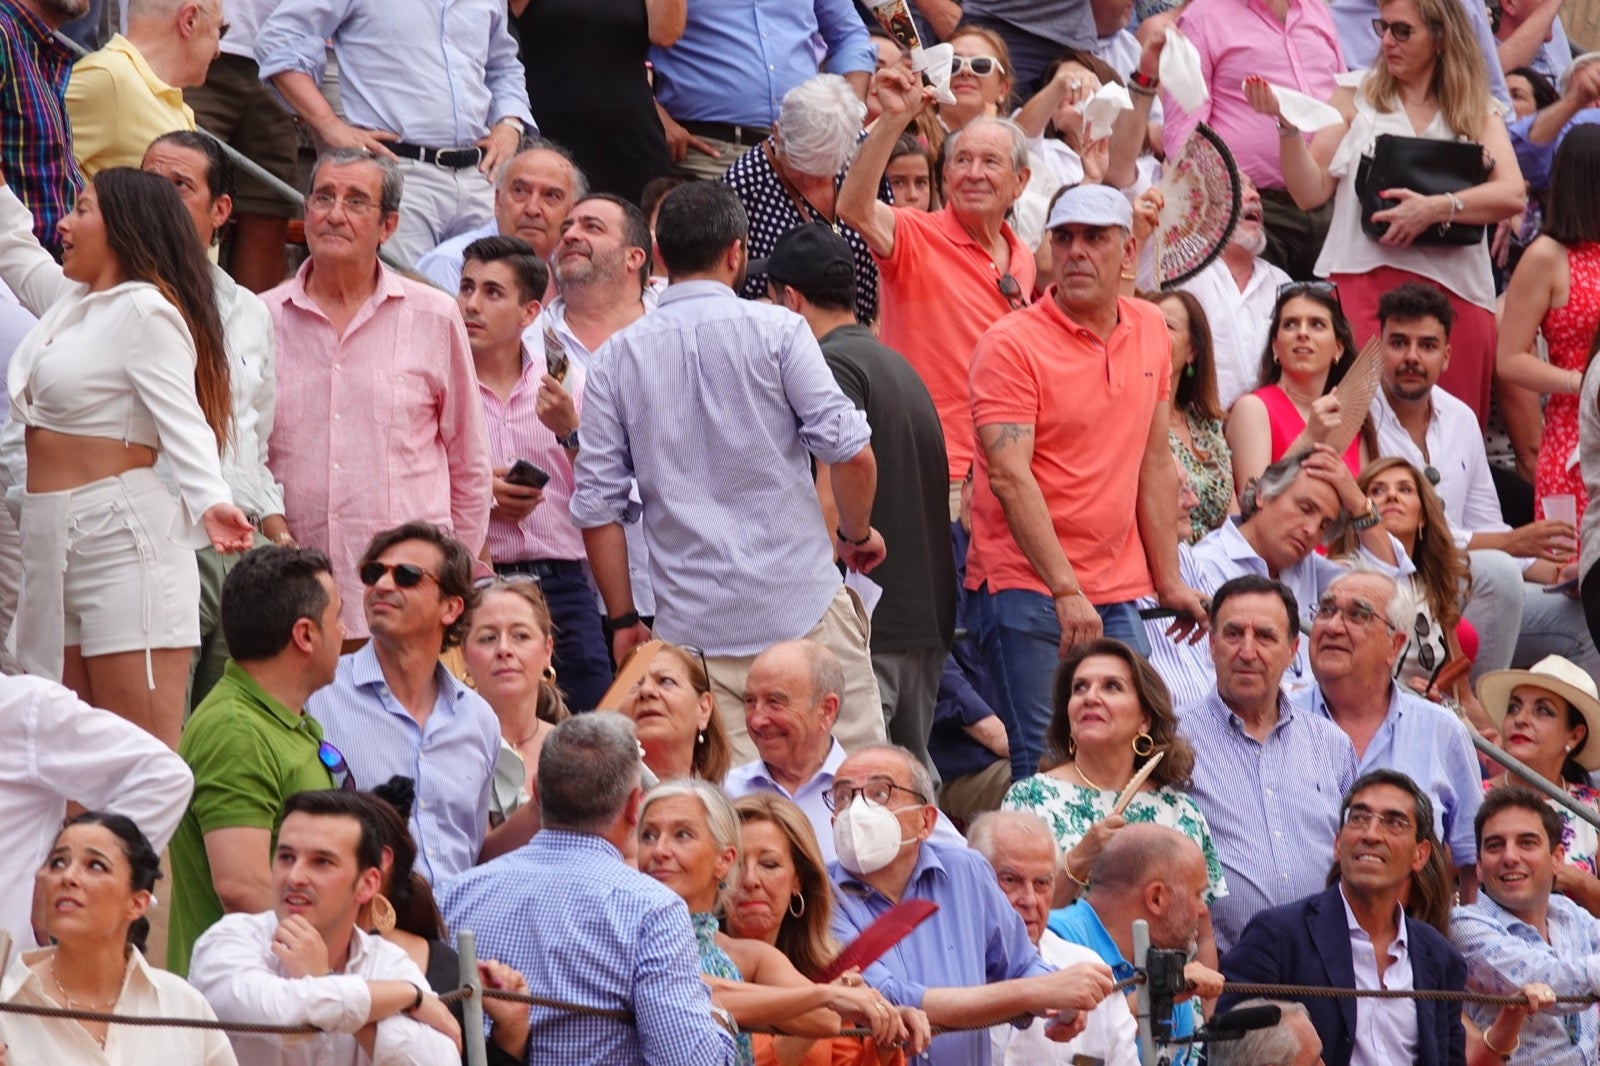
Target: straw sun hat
<point>1554,674</point>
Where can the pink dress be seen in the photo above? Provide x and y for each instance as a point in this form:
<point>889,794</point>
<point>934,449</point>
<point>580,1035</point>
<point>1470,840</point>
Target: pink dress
<point>1287,425</point>
<point>1570,333</point>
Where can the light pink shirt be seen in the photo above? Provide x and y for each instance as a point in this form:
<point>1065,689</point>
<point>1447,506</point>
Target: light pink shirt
<point>1237,38</point>
<point>378,427</point>
<point>515,432</point>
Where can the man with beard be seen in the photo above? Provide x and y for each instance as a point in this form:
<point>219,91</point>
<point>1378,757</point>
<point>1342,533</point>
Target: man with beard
<point>35,138</point>
<point>1238,290</point>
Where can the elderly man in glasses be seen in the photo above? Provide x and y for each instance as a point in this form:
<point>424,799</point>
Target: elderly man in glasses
<point>1356,934</point>
<point>393,709</point>
<point>971,964</point>
<point>1360,626</point>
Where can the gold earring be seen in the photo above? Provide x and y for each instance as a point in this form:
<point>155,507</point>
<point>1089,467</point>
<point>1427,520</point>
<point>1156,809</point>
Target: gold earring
<point>1149,745</point>
<point>383,916</point>
<point>549,674</point>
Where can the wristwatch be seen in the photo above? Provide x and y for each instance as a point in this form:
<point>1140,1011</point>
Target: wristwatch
<point>1366,521</point>
<point>570,441</point>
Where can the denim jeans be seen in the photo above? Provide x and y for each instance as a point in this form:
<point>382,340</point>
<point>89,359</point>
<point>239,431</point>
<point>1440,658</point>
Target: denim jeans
<point>1023,637</point>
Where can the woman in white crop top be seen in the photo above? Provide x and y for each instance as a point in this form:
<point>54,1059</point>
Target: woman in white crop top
<point>1429,83</point>
<point>127,361</point>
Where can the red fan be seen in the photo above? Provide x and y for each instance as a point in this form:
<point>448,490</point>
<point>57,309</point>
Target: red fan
<point>891,927</point>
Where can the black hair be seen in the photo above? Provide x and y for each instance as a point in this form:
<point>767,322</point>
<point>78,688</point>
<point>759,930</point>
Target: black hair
<point>1256,585</point>
<point>1422,806</point>
<point>455,571</point>
<point>635,229</point>
<point>531,272</point>
<point>220,177</point>
<point>1544,94</point>
<point>1508,797</point>
<point>415,910</point>
<point>266,593</point>
<point>1571,212</point>
<point>1414,301</point>
<point>342,803</point>
<point>144,865</point>
<point>1271,372</point>
<point>696,226</point>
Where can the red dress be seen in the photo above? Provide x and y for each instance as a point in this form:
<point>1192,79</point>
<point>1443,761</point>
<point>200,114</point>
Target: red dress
<point>1570,333</point>
<point>1287,425</point>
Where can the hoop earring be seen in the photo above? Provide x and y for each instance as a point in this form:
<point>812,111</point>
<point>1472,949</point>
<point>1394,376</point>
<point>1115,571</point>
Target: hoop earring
<point>549,674</point>
<point>797,913</point>
<point>383,916</point>
<point>1072,748</point>
<point>1149,745</point>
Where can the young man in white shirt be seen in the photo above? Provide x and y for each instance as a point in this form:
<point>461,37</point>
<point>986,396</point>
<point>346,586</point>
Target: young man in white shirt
<point>1439,435</point>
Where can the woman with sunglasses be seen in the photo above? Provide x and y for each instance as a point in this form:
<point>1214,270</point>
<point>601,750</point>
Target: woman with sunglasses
<point>980,80</point>
<point>676,717</point>
<point>126,365</point>
<point>1309,347</point>
<point>1430,83</point>
<point>95,887</point>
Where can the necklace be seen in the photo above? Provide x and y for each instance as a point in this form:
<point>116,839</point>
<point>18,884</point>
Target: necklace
<point>86,1006</point>
<point>1078,769</point>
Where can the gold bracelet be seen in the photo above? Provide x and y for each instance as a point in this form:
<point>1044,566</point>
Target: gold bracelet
<point>1066,865</point>
<point>1512,1050</point>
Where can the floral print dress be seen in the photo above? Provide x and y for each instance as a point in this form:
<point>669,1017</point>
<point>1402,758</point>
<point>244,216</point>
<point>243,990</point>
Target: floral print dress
<point>714,962</point>
<point>1070,809</point>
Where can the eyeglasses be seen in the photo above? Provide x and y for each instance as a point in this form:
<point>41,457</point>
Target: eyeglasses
<point>982,66</point>
<point>1394,823</point>
<point>879,790</point>
<point>698,654</point>
<point>1011,289</point>
<point>406,575</point>
<point>1401,31</point>
<point>353,205</point>
<point>1290,289</point>
<point>333,759</point>
<point>1357,615</point>
<point>222,29</point>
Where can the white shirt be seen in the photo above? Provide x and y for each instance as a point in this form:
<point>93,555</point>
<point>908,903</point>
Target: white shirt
<point>1110,1036</point>
<point>1455,449</point>
<point>146,992</point>
<point>1239,322</point>
<point>53,747</point>
<point>1386,1029</point>
<point>234,967</point>
<point>244,19</point>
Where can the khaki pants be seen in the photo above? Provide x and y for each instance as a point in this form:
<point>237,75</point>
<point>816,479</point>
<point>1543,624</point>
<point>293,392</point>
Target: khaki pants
<point>843,631</point>
<point>965,798</point>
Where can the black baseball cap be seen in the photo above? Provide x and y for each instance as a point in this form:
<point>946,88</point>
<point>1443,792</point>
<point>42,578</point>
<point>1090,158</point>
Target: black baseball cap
<point>810,256</point>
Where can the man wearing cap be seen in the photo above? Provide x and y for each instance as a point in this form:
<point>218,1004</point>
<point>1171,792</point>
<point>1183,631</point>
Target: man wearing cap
<point>811,273</point>
<point>1074,503</point>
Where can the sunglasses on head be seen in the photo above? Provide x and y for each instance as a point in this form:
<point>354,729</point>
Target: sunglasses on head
<point>1290,289</point>
<point>333,759</point>
<point>982,66</point>
<point>406,575</point>
<point>1401,31</point>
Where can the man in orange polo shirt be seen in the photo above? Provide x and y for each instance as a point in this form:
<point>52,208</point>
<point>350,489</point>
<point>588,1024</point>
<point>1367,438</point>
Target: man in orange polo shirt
<point>945,277</point>
<point>1075,494</point>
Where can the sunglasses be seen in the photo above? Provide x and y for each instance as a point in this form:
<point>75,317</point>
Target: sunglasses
<point>495,582</point>
<point>982,66</point>
<point>1400,31</point>
<point>1011,289</point>
<point>333,759</point>
<point>406,575</point>
<point>1290,289</point>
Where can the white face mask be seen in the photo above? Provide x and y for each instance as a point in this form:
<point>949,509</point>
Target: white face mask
<point>866,836</point>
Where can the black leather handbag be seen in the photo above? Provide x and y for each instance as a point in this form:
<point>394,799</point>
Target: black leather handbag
<point>1426,166</point>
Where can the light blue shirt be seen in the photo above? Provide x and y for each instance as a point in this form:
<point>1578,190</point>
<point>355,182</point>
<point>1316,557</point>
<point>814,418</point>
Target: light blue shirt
<point>438,73</point>
<point>1353,20</point>
<point>451,759</point>
<point>582,926</point>
<point>717,406</point>
<point>1503,953</point>
<point>1429,745</point>
<point>1273,805</point>
<point>974,938</point>
<point>442,265</point>
<point>737,58</point>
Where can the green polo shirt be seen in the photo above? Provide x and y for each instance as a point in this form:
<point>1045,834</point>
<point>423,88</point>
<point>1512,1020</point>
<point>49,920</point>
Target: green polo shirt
<point>248,753</point>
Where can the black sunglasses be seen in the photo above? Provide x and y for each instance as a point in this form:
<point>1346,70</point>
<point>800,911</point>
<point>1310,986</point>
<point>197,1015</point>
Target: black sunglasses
<point>1401,31</point>
<point>333,759</point>
<point>406,575</point>
<point>1290,289</point>
<point>1011,289</point>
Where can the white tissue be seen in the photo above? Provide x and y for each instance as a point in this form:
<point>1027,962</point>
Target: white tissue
<point>1100,111</point>
<point>1305,113</point>
<point>1180,72</point>
<point>935,63</point>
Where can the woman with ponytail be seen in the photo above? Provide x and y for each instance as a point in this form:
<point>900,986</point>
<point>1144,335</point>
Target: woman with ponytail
<point>126,364</point>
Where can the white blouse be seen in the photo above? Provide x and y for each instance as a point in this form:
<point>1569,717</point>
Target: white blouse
<point>146,991</point>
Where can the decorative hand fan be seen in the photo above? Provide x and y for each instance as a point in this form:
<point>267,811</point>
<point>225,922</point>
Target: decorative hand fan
<point>1202,206</point>
<point>1356,390</point>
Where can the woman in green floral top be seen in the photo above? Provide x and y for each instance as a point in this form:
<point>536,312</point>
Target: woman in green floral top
<point>1112,714</point>
<point>1195,430</point>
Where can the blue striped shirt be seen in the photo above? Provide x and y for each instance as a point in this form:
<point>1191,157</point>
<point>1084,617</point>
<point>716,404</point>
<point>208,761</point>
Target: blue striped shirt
<point>1273,806</point>
<point>717,405</point>
<point>451,758</point>
<point>582,926</point>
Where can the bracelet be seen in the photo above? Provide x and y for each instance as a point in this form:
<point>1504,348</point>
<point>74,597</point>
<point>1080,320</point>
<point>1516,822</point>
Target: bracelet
<point>1508,1052</point>
<point>1287,131</point>
<point>1366,521</point>
<point>418,1004</point>
<point>1066,866</point>
<point>1139,90</point>
<point>621,621</point>
<point>1577,381</point>
<point>1066,594</point>
<point>1455,206</point>
<point>853,543</point>
<point>1140,80</point>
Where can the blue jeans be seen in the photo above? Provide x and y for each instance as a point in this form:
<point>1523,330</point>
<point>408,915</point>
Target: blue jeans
<point>1020,630</point>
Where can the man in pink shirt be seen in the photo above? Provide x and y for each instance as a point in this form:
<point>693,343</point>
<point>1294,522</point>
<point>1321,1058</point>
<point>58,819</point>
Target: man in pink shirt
<point>378,418</point>
<point>1292,43</point>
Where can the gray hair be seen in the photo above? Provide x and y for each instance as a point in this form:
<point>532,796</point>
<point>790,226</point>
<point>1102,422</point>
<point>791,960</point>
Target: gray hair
<point>1275,1045</point>
<point>1019,140</point>
<point>1403,602</point>
<point>986,828</point>
<point>819,122</point>
<point>393,182</point>
<point>588,767</point>
<point>720,819</point>
<point>921,780</point>
<point>1274,482</point>
<point>536,143</point>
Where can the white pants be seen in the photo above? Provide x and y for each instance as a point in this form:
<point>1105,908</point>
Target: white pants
<point>438,203</point>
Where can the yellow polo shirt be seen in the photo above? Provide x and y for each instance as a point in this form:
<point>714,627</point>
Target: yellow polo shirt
<point>117,106</point>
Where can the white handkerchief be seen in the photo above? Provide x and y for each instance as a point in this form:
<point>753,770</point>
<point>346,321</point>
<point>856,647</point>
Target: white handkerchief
<point>935,63</point>
<point>1180,72</point>
<point>1101,110</point>
<point>1305,113</point>
<point>869,590</point>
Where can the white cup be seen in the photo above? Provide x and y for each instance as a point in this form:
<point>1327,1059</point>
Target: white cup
<point>1562,508</point>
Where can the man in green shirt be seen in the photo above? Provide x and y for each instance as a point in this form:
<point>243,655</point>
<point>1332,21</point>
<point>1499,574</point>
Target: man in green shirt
<point>250,744</point>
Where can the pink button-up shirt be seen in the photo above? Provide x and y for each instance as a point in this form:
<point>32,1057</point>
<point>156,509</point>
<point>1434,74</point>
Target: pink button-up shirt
<point>377,427</point>
<point>515,432</point>
<point>1237,38</point>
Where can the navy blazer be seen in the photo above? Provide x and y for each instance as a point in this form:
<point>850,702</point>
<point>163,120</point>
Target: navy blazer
<point>1308,943</point>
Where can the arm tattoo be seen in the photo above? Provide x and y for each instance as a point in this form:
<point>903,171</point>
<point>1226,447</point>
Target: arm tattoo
<point>1010,433</point>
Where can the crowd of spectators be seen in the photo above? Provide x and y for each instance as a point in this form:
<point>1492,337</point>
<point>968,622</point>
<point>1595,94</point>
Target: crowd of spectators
<point>681,485</point>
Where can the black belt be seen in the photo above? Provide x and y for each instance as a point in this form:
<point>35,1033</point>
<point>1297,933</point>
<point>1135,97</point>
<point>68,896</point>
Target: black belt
<point>746,135</point>
<point>453,158</point>
<point>540,567</point>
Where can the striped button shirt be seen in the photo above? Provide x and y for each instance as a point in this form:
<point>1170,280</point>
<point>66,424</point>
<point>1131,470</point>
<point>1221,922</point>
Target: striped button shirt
<point>717,405</point>
<point>35,137</point>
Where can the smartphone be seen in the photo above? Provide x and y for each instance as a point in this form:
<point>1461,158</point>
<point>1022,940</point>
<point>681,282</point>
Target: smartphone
<point>527,475</point>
